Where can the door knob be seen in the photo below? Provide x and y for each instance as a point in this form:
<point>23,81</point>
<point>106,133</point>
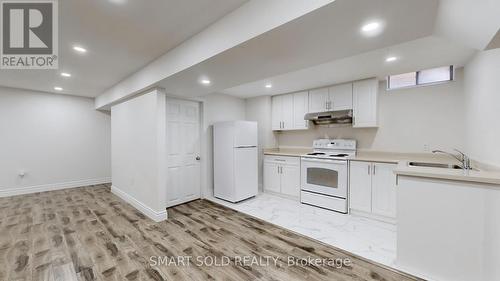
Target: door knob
<point>198,158</point>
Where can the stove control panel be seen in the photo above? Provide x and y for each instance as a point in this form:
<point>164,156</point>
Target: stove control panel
<point>334,144</point>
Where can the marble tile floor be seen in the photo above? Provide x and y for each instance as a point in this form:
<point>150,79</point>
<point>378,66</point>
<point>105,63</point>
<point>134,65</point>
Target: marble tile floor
<point>368,238</point>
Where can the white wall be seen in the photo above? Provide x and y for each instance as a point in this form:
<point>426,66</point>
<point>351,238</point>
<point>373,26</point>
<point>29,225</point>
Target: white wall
<point>137,130</point>
<point>58,140</point>
<point>409,119</point>
<point>259,109</point>
<point>482,99</point>
<point>217,108</point>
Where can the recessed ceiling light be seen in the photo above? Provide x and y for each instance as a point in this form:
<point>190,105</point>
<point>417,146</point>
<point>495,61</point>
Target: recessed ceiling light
<point>372,28</point>
<point>65,74</point>
<point>79,49</point>
<point>269,86</point>
<point>391,59</point>
<point>205,81</point>
<point>58,88</point>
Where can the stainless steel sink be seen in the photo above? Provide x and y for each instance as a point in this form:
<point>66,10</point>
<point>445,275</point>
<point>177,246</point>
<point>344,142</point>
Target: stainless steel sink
<point>434,165</point>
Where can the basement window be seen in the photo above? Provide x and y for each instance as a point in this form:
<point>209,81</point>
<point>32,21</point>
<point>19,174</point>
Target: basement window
<point>421,78</point>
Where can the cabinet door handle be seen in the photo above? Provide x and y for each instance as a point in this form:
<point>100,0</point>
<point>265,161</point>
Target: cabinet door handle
<point>278,169</point>
<point>374,168</point>
<point>369,169</point>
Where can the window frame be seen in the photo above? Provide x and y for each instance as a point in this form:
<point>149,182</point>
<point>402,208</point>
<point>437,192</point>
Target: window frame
<point>417,73</point>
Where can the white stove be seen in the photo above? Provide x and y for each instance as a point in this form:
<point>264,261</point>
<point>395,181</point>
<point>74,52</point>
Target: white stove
<point>333,149</point>
<point>324,175</point>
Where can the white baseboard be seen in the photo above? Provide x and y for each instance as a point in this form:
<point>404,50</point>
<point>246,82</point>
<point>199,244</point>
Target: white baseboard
<point>5,192</point>
<point>143,208</point>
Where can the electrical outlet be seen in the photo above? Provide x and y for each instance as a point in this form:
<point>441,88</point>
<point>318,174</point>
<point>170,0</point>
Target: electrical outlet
<point>427,147</point>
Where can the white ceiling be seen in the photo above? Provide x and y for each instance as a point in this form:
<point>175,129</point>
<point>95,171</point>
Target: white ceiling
<point>469,23</point>
<point>121,37</point>
<point>419,54</point>
<point>326,34</point>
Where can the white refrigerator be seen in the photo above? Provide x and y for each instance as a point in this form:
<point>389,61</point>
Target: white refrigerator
<point>235,160</point>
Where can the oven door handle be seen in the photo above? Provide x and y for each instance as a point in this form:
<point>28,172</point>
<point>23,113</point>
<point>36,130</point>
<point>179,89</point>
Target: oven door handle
<point>329,161</point>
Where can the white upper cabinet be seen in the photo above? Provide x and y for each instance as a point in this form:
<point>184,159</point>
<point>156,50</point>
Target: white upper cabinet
<point>361,96</point>
<point>277,113</point>
<point>318,100</point>
<point>288,111</point>
<point>365,99</point>
<point>300,108</point>
<point>340,97</point>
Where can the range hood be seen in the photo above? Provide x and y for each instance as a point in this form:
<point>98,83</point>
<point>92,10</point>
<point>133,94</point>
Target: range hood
<point>330,117</point>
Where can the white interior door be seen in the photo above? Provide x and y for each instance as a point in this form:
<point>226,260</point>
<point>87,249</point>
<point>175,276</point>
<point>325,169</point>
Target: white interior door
<point>183,149</point>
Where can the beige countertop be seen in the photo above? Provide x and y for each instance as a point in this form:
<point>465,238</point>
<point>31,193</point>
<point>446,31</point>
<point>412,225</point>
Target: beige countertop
<point>365,155</point>
<point>396,157</point>
<point>295,152</point>
<point>476,176</point>
<point>483,175</point>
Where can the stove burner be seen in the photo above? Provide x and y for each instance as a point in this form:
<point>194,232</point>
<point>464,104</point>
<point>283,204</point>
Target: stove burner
<point>339,155</point>
<point>316,153</point>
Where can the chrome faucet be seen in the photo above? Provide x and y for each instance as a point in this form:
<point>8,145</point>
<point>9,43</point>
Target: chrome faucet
<point>461,157</point>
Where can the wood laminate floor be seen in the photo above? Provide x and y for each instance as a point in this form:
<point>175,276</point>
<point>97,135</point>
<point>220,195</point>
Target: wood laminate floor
<point>90,234</point>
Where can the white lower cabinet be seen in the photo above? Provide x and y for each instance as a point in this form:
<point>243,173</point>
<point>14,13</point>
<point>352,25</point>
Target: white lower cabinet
<point>384,190</point>
<point>272,178</point>
<point>372,188</point>
<point>360,186</point>
<point>282,175</point>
